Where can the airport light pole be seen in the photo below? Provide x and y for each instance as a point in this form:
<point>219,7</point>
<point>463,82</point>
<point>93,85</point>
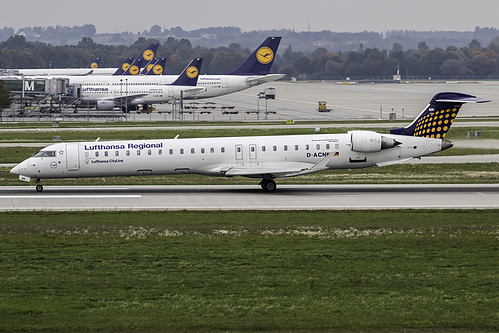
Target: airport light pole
<point>126,99</point>
<point>121,95</point>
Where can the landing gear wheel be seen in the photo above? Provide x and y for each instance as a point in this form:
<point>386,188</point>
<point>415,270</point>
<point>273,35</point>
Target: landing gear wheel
<point>268,185</point>
<point>39,188</point>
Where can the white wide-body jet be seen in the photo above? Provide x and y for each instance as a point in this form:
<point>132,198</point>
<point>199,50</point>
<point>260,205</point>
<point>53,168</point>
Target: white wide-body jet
<point>264,157</point>
<point>122,92</point>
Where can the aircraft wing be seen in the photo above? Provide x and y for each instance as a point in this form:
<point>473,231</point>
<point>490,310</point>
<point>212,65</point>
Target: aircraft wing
<point>123,98</point>
<point>279,172</point>
<point>255,80</point>
<point>194,90</point>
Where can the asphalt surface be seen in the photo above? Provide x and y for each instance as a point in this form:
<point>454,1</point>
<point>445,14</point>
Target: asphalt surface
<point>247,197</point>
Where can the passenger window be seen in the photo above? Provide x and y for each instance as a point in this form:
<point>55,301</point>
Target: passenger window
<point>96,154</point>
<point>212,150</point>
<point>171,151</point>
<point>181,150</point>
<point>106,153</point>
<point>274,148</point>
<point>202,150</point>
<point>307,147</point>
<point>337,146</point>
<point>138,152</point>
<point>192,151</point>
<point>296,147</point>
<point>128,153</point>
<point>86,154</point>
<point>263,148</point>
<point>327,146</point>
<point>285,147</point>
<point>116,153</point>
<point>160,152</point>
<point>318,147</point>
<point>222,149</point>
<point>149,152</point>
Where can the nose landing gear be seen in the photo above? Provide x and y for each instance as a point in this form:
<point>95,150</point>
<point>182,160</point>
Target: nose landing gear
<point>39,185</point>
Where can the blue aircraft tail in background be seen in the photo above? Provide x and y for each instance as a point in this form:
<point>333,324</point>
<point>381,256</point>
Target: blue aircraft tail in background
<point>124,66</point>
<point>147,55</point>
<point>134,68</point>
<point>438,116</point>
<point>189,76</point>
<point>260,61</point>
<point>94,63</point>
<point>157,68</point>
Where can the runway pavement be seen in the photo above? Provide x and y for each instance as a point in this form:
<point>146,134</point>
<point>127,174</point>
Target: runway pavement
<point>287,197</point>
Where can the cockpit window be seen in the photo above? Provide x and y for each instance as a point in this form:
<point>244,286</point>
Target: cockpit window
<point>48,153</point>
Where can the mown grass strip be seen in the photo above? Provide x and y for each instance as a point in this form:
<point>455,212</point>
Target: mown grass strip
<point>237,271</point>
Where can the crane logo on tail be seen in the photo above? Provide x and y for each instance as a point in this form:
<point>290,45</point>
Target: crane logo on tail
<point>157,69</point>
<point>148,55</point>
<point>264,55</point>
<point>192,72</point>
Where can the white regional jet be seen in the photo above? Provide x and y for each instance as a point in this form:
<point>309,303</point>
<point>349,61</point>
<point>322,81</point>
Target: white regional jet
<point>265,157</point>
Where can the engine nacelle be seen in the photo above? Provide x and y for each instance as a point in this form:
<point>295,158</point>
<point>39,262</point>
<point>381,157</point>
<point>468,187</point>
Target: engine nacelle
<point>370,142</point>
<point>105,105</point>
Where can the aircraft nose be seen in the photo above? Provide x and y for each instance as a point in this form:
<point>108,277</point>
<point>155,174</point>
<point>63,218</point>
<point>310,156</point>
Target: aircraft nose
<point>17,169</point>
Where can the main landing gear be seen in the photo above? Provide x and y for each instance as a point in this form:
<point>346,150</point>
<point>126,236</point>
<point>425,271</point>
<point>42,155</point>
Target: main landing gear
<point>268,185</point>
<point>39,185</point>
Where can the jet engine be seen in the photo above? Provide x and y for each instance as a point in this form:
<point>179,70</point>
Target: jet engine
<point>105,105</point>
<point>370,142</point>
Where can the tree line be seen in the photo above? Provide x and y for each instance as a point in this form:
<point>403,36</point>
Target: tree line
<point>473,61</point>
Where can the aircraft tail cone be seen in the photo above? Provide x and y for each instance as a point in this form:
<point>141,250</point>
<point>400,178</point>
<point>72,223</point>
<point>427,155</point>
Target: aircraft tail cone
<point>446,144</point>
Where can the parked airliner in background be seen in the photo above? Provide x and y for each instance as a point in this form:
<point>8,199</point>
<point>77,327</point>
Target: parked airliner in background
<point>125,93</point>
<point>264,157</point>
<point>92,69</point>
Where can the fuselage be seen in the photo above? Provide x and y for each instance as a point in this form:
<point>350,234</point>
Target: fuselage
<point>258,156</point>
<point>156,86</point>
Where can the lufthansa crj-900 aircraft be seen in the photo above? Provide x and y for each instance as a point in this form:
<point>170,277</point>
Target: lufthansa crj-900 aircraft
<point>264,157</point>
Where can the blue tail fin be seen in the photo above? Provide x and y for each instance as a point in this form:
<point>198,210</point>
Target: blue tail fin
<point>147,65</point>
<point>150,52</point>
<point>157,68</point>
<point>124,66</point>
<point>260,61</point>
<point>438,116</point>
<point>189,76</point>
<point>134,68</point>
<point>94,63</point>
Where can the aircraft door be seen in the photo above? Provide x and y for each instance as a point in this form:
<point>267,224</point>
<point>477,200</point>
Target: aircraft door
<point>72,157</point>
<point>252,151</point>
<point>239,152</point>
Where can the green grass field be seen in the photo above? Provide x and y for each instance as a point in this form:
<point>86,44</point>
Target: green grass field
<point>271,271</point>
